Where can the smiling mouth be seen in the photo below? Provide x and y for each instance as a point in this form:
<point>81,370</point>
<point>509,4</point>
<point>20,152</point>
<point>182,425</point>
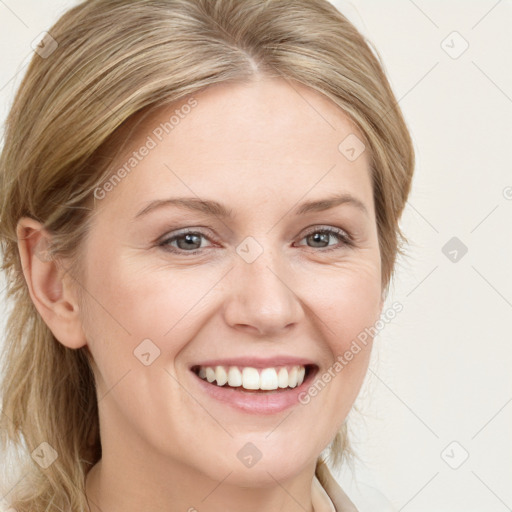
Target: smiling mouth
<point>255,380</point>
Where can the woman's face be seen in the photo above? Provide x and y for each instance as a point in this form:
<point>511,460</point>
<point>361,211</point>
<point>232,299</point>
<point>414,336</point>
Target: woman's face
<point>173,286</point>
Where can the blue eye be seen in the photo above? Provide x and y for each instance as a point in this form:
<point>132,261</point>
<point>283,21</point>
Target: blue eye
<point>186,240</point>
<point>192,240</point>
<point>325,233</point>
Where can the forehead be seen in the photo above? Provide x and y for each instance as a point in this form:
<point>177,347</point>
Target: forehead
<point>270,139</point>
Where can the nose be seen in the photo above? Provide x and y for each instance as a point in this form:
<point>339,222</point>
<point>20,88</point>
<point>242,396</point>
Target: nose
<point>260,297</point>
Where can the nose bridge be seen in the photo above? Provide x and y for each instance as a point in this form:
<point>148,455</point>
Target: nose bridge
<point>261,294</point>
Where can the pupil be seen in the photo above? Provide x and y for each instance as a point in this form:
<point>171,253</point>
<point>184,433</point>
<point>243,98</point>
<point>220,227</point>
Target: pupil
<point>319,236</point>
<point>190,239</point>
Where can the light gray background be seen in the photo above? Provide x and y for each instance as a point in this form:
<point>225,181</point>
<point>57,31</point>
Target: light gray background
<point>439,386</point>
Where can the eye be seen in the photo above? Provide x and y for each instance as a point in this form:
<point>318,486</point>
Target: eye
<point>321,236</point>
<point>185,240</point>
<point>190,241</point>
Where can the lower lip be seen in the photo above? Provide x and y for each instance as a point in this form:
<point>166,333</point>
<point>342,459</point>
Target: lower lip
<point>259,402</point>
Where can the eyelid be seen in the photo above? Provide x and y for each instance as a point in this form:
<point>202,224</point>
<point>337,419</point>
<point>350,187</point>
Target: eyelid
<point>329,228</point>
<point>347,239</point>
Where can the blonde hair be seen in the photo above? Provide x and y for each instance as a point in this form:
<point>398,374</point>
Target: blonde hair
<point>115,60</point>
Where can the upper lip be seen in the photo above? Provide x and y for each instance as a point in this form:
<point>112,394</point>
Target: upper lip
<point>257,362</point>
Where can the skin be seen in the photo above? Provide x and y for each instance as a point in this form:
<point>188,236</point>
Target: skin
<point>260,149</point>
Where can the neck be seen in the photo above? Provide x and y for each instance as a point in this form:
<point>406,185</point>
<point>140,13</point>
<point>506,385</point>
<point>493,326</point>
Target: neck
<point>134,487</point>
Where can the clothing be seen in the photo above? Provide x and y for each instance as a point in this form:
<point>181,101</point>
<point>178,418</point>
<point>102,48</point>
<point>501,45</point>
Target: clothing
<point>327,495</point>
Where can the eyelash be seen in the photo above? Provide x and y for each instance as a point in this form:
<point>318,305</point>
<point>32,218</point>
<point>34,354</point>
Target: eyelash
<point>346,240</point>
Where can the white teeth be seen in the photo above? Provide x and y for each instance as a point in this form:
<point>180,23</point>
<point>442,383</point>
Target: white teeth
<point>234,377</point>
<point>268,379</point>
<point>210,374</point>
<point>282,378</point>
<point>292,377</point>
<point>221,375</point>
<point>250,378</point>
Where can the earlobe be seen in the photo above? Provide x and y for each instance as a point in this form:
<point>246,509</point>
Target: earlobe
<point>48,284</point>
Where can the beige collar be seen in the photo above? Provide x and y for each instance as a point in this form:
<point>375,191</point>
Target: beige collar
<point>327,495</point>
<point>320,499</point>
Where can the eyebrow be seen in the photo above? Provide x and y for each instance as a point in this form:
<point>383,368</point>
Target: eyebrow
<point>214,208</point>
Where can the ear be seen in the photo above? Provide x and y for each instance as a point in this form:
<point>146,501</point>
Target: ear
<point>49,285</point>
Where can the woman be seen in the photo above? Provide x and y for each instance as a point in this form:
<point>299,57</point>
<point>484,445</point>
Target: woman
<point>200,206</point>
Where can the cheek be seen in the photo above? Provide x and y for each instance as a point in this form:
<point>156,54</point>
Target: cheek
<point>347,301</point>
<point>129,303</point>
